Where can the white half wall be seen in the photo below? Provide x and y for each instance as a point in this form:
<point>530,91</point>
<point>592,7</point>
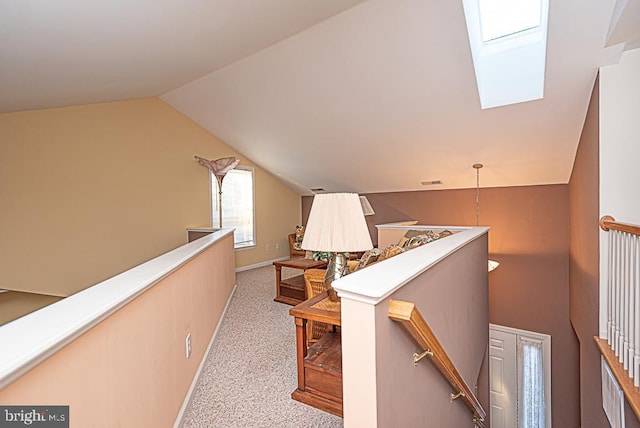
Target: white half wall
<point>619,152</point>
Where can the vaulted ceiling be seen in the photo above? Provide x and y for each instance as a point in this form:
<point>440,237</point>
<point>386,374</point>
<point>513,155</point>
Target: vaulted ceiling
<point>346,95</point>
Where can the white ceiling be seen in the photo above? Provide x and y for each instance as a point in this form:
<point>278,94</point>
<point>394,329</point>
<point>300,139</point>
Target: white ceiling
<point>67,52</point>
<point>347,95</point>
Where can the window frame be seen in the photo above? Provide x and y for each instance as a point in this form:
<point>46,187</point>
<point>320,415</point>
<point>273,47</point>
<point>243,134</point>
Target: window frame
<point>501,36</point>
<point>510,69</point>
<point>213,194</point>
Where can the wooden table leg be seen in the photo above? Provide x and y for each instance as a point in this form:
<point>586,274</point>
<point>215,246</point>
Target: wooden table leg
<point>301,349</point>
<point>278,278</point>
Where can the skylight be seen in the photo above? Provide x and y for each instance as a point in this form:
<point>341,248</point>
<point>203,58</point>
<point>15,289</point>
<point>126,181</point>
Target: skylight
<point>508,40</point>
<point>502,18</point>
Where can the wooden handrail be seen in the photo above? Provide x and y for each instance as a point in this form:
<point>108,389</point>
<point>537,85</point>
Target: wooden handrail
<point>607,222</point>
<point>408,315</point>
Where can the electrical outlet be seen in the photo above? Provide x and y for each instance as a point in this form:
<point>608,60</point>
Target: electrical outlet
<point>188,345</point>
<point>277,245</point>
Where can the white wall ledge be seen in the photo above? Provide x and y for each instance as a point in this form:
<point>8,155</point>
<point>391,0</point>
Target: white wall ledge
<point>202,229</point>
<point>398,225</point>
<point>29,340</point>
<point>375,283</point>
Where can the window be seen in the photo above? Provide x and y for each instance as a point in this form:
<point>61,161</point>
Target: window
<point>502,18</point>
<point>508,40</point>
<point>531,400</point>
<point>237,205</point>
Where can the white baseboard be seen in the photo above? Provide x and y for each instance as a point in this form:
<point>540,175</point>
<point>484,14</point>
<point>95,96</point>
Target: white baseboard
<point>261,264</point>
<point>187,398</point>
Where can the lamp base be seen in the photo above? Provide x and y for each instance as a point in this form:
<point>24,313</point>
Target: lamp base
<point>336,269</point>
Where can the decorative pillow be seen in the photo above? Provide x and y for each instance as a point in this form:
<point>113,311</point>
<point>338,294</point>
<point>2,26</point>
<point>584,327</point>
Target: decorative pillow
<point>367,258</point>
<point>415,238</point>
<point>299,238</point>
<point>390,251</point>
<point>404,241</point>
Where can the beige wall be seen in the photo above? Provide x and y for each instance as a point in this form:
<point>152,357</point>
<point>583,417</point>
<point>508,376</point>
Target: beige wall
<point>14,304</point>
<point>131,369</point>
<point>90,191</point>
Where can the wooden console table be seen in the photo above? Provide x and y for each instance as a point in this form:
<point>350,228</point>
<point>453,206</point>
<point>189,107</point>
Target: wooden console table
<point>291,290</point>
<point>320,366</point>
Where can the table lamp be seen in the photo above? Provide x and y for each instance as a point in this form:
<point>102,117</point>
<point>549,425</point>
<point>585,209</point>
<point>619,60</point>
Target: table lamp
<point>337,226</point>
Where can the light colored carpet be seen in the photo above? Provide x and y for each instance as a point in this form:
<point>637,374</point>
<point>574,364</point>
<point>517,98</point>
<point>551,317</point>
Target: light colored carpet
<point>250,372</point>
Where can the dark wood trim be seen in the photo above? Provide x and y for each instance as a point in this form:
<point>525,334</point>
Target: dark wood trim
<point>408,315</point>
<point>631,392</point>
<point>607,223</point>
<point>292,290</point>
<point>318,402</point>
<point>301,351</point>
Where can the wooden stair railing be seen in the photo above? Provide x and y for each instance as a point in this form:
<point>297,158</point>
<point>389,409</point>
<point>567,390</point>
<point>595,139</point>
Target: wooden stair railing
<point>621,347</point>
<point>408,315</point>
<point>609,223</point>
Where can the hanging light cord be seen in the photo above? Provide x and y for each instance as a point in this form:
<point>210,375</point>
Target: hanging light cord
<point>492,264</point>
<point>477,166</point>
<point>477,197</point>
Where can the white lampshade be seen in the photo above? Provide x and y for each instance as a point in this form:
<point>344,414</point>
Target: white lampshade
<point>336,224</point>
<point>367,209</point>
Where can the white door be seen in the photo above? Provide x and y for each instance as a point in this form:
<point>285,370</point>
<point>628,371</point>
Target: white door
<point>502,379</point>
<point>519,378</point>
